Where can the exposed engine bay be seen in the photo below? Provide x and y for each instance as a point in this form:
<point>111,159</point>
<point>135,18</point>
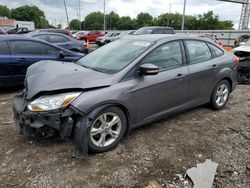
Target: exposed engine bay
<point>244,66</point>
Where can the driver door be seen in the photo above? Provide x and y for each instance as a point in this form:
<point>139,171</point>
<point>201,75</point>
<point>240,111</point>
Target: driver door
<point>166,92</point>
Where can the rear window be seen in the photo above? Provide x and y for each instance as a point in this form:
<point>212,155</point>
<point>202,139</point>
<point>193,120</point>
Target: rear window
<point>216,50</point>
<point>57,39</point>
<point>41,37</point>
<point>4,49</point>
<point>198,51</point>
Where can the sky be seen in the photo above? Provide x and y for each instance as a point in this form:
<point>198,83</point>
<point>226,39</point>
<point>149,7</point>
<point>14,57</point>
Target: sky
<point>55,13</point>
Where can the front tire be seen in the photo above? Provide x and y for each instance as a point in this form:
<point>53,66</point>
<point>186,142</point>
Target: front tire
<point>220,95</point>
<point>106,130</point>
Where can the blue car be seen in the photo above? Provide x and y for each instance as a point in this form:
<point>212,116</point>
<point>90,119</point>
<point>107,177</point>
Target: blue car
<point>18,52</point>
<point>61,40</point>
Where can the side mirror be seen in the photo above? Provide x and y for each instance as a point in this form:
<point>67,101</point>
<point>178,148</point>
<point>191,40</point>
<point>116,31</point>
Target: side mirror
<point>61,54</point>
<point>149,69</point>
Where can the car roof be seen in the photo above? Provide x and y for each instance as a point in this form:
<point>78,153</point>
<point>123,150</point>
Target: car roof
<point>158,27</point>
<point>162,37</point>
<point>50,33</point>
<point>12,37</point>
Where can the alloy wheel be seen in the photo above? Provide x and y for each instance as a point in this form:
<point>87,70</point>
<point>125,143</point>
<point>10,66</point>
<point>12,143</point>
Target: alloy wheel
<point>222,94</point>
<point>105,129</point>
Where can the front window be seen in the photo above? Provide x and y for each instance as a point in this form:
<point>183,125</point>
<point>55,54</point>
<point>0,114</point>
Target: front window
<point>167,56</point>
<point>113,57</point>
<point>32,48</point>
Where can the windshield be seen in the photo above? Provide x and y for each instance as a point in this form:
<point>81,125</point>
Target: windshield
<point>247,43</point>
<point>108,34</point>
<point>143,31</point>
<point>115,56</point>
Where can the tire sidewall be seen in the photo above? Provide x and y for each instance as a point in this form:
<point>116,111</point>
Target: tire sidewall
<point>213,98</point>
<point>95,149</point>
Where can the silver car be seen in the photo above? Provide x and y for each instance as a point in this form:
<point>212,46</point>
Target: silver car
<point>102,97</point>
<point>109,37</point>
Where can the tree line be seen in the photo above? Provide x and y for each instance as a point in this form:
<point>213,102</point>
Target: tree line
<point>94,20</point>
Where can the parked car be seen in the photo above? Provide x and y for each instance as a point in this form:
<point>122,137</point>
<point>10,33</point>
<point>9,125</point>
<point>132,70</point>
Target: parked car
<point>126,33</point>
<point>77,33</point>
<point>213,39</point>
<point>19,30</point>
<point>2,32</point>
<point>109,37</point>
<point>90,36</point>
<point>63,41</point>
<point>154,30</point>
<point>243,53</point>
<point>17,53</point>
<point>62,31</point>
<point>101,96</point>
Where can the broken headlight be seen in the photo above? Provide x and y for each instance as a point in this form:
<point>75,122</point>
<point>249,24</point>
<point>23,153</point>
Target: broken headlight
<point>52,102</point>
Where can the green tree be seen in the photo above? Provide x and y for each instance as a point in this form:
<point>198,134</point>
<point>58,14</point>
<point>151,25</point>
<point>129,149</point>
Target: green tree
<point>113,21</point>
<point>75,24</point>
<point>30,13</point>
<point>171,20</point>
<point>144,19</point>
<point>4,11</point>
<point>94,21</point>
<point>126,23</point>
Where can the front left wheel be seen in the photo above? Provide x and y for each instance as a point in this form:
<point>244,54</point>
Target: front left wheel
<point>106,130</point>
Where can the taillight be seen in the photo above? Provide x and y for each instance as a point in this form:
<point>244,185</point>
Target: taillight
<point>236,60</point>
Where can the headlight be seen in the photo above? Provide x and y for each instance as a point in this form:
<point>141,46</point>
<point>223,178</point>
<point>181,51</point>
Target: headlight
<point>52,102</point>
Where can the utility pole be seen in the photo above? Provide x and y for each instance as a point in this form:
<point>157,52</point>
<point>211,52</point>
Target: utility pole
<point>170,7</point>
<point>80,15</point>
<point>66,11</point>
<point>183,16</point>
<point>104,17</point>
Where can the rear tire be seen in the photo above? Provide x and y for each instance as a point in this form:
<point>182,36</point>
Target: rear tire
<point>106,130</point>
<point>220,95</point>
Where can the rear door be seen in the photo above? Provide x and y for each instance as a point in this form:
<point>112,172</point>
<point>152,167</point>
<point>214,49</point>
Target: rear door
<point>26,52</point>
<point>203,70</point>
<point>5,63</point>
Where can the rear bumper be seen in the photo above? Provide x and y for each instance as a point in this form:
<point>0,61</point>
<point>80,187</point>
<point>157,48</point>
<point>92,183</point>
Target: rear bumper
<point>29,123</point>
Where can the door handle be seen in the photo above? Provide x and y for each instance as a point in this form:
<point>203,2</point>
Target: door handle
<point>180,76</point>
<point>21,59</point>
<point>214,66</point>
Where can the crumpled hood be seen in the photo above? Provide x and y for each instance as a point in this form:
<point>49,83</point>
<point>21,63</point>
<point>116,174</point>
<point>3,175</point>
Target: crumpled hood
<point>54,75</point>
<point>242,49</point>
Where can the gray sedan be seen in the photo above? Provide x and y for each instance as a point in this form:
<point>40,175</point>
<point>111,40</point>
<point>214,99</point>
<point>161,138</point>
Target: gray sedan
<point>102,96</point>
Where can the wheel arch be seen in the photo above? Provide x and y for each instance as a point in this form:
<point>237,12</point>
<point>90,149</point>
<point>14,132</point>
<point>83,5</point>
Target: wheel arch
<point>98,108</point>
<point>230,81</point>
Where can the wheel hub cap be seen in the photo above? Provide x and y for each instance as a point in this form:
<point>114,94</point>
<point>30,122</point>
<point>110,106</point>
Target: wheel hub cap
<point>222,94</point>
<point>105,129</point>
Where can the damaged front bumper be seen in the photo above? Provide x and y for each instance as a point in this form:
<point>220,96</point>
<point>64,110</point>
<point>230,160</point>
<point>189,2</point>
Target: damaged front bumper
<point>67,122</point>
<point>31,122</point>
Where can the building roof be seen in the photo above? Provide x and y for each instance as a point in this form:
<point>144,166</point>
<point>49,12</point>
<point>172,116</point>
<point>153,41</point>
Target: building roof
<point>7,22</point>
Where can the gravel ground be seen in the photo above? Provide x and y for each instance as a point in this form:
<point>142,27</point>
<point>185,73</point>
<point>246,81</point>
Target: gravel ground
<point>155,152</point>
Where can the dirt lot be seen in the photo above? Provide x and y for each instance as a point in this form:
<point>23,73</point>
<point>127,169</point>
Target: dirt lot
<point>156,152</point>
